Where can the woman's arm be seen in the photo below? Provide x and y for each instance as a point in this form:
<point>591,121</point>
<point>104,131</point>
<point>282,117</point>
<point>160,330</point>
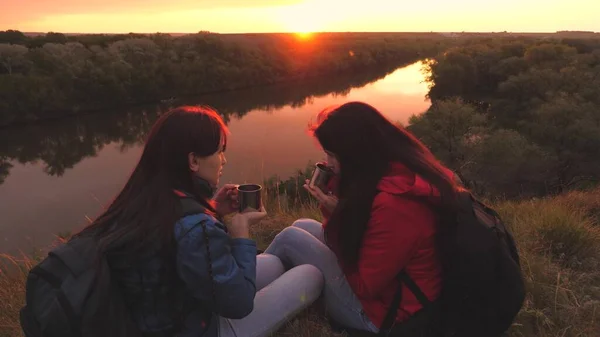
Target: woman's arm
<point>233,265</point>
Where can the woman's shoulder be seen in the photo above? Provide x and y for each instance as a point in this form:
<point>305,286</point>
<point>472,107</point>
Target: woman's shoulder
<point>195,224</point>
<point>404,191</point>
<point>401,202</point>
<point>402,208</point>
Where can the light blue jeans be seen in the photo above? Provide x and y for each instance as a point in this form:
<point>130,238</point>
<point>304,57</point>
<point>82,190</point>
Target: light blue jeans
<point>280,296</point>
<point>304,243</point>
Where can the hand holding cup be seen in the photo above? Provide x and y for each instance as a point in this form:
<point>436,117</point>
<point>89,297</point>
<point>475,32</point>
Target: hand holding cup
<point>318,183</point>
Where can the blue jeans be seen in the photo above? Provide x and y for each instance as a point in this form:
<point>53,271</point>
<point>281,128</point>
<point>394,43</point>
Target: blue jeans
<point>304,243</point>
<point>280,296</point>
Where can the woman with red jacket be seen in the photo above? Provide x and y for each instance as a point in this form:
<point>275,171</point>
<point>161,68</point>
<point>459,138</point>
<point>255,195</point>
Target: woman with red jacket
<point>381,217</point>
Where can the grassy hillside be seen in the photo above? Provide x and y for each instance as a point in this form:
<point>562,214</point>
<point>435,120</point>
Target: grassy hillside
<point>559,241</point>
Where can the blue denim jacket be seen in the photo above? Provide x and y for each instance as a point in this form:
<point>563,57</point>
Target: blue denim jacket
<point>231,289</point>
<point>228,293</point>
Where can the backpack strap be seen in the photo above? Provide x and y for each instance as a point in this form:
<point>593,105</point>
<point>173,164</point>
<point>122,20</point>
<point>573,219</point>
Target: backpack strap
<point>414,288</point>
<point>55,280</point>
<point>189,205</point>
<point>390,316</point>
<point>209,260</point>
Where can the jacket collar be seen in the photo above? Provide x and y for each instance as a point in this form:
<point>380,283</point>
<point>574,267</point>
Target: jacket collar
<point>200,189</point>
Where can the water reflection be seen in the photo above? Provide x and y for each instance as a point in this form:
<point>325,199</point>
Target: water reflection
<point>54,175</point>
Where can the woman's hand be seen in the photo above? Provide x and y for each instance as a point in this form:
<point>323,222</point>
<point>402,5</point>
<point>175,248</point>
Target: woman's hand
<point>226,200</point>
<point>329,201</point>
<point>240,223</point>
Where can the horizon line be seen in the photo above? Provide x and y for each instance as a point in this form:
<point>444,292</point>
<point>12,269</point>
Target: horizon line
<point>321,32</point>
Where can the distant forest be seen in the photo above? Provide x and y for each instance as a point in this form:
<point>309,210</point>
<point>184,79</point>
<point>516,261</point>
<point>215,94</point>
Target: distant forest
<point>60,145</point>
<point>513,116</point>
<point>52,75</point>
<point>516,117</point>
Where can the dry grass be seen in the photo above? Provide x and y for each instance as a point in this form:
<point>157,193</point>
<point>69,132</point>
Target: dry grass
<point>559,241</point>
<point>13,273</point>
<point>558,238</point>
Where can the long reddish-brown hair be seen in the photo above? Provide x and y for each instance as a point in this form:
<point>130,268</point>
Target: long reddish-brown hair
<point>365,143</point>
<point>144,212</point>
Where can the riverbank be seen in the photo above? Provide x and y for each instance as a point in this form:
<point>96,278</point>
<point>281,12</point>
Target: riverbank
<point>235,102</point>
<point>73,77</point>
<point>558,238</point>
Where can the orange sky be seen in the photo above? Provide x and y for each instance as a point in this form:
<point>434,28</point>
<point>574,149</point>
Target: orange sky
<point>240,16</point>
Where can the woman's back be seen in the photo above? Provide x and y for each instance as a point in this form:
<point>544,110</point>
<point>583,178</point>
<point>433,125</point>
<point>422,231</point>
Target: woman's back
<point>202,287</point>
<point>160,257</point>
<point>400,235</point>
<point>152,300</point>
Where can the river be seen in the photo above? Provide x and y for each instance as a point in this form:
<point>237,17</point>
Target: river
<point>56,175</point>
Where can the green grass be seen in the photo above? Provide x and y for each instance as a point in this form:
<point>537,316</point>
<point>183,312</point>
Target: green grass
<point>559,243</point>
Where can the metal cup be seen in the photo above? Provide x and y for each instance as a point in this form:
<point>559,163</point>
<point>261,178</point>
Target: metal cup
<point>249,197</point>
<point>321,176</point>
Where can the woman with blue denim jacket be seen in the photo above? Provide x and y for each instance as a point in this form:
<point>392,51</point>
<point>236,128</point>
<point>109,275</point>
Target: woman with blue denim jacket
<point>191,275</point>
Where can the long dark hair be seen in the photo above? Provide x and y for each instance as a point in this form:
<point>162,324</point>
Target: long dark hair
<point>142,216</point>
<point>365,143</point>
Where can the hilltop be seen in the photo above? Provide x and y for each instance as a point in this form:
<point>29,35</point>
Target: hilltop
<point>558,239</point>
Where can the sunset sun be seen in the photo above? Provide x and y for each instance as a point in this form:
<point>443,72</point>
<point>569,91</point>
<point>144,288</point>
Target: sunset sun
<point>303,19</point>
<point>304,35</point>
<point>302,27</point>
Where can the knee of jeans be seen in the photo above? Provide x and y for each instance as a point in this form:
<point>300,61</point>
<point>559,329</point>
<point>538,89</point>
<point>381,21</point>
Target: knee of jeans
<point>288,232</point>
<point>273,261</point>
<point>305,222</point>
<point>294,236</point>
<point>313,275</point>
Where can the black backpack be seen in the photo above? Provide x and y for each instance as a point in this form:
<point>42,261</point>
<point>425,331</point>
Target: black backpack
<point>71,294</point>
<point>483,287</point>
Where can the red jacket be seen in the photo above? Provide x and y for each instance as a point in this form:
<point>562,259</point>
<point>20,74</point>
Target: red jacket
<point>399,235</point>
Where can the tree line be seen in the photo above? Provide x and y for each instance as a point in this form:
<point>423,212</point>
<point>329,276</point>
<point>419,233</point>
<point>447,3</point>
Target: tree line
<point>53,75</point>
<point>60,145</point>
<point>516,117</point>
